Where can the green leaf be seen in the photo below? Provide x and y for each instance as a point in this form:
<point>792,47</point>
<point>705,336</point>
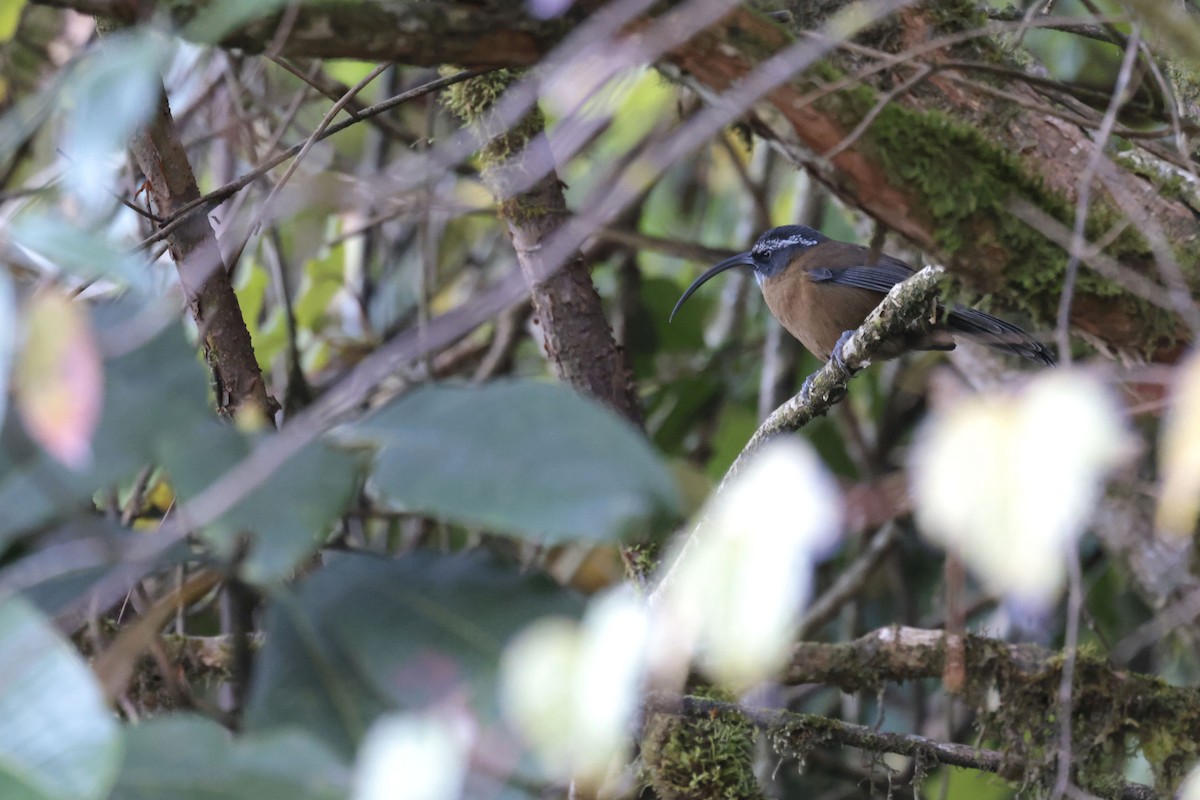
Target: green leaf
<point>57,738</point>
<point>113,91</point>
<point>366,635</point>
<point>152,394</point>
<point>289,516</point>
<point>187,757</point>
<point>90,255</point>
<point>523,457</point>
<point>10,16</point>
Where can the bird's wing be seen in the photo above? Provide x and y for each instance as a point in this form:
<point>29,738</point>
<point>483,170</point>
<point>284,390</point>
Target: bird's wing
<point>878,278</point>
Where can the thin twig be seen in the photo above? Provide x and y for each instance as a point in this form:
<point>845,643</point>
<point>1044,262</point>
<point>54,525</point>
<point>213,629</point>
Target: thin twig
<point>1084,199</point>
<point>849,582</point>
<point>220,195</point>
<point>1062,778</point>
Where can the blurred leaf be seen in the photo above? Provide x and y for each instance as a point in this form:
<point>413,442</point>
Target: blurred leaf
<point>8,337</point>
<point>25,116</point>
<point>10,16</point>
<point>738,424</point>
<point>1066,55</point>
<point>152,394</point>
<point>222,16</point>
<point>1013,515</point>
<point>114,91</point>
<point>86,254</point>
<point>288,517</point>
<point>315,296</point>
<point>58,380</point>
<point>186,757</point>
<point>527,458</point>
<point>413,757</point>
<point>366,635</point>
<point>652,329</point>
<point>737,583</point>
<point>1179,455</point>
<point>572,689</point>
<point>57,739</point>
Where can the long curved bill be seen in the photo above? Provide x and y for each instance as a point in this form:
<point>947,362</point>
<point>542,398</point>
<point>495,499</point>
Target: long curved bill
<point>740,260</point>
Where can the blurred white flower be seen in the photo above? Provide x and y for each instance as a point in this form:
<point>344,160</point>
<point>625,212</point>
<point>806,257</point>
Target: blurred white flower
<point>1179,455</point>
<point>735,592</point>
<point>572,689</point>
<point>1010,481</point>
<point>1190,788</point>
<point>413,757</point>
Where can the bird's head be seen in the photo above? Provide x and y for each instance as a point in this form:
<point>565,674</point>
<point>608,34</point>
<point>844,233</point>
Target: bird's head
<point>771,253</point>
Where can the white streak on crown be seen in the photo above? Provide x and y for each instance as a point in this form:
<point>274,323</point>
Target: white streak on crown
<point>771,245</point>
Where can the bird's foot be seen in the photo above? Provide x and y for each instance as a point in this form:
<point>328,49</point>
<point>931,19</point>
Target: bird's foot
<point>806,389</point>
<point>836,356</point>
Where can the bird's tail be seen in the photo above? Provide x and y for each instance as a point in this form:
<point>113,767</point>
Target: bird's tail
<point>998,334</point>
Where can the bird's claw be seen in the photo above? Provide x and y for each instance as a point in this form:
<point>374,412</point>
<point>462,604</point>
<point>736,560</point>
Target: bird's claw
<point>806,389</point>
<point>836,356</point>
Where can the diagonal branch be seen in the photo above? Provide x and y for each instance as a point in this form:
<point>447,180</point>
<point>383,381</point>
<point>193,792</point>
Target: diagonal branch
<point>903,307</point>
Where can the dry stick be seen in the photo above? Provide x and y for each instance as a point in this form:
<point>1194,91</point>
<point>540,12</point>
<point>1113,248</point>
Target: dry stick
<point>849,582</point>
<point>262,212</point>
<point>159,152</point>
<point>675,248</point>
<point>581,46</point>
<point>575,48</point>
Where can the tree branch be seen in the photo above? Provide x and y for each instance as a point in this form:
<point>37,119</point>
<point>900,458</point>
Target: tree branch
<point>1014,688</point>
<point>794,734</point>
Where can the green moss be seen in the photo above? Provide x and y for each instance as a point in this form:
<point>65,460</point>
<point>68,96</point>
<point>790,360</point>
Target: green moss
<point>1112,714</point>
<point>702,758</point>
<point>471,100</point>
<point>966,197</point>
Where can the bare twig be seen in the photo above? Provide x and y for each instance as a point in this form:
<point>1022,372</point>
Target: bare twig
<point>849,582</point>
<point>220,195</point>
<point>1084,198</point>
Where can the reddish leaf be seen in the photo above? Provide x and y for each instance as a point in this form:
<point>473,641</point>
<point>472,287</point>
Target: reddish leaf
<point>58,383</point>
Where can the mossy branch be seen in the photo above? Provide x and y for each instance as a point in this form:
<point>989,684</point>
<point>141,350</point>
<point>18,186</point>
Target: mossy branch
<point>1113,709</point>
<point>795,734</point>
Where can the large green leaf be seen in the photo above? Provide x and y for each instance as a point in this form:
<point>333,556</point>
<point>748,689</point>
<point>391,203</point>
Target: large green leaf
<point>522,457</point>
<point>192,758</point>
<point>366,635</point>
<point>57,738</point>
<point>288,517</point>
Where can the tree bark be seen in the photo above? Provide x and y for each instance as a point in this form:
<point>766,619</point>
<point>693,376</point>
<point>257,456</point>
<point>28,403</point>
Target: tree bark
<point>576,334</point>
<point>237,380</point>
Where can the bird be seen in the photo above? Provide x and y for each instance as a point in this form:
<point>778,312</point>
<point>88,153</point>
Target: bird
<point>821,289</point>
